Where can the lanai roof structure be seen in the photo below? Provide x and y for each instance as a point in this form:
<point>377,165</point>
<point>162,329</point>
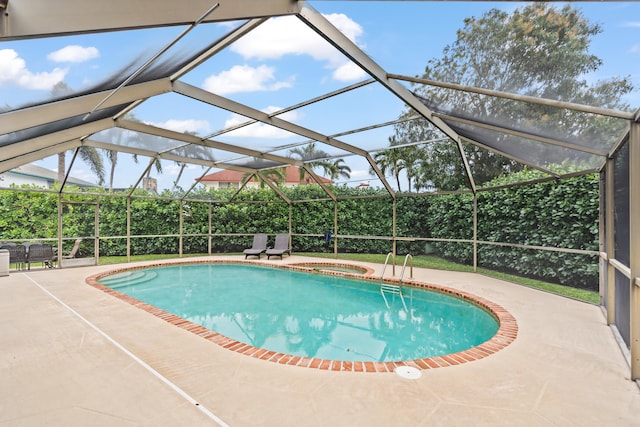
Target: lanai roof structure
<point>110,112</point>
<point>174,56</point>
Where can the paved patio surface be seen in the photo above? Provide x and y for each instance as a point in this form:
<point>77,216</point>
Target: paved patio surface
<point>72,355</point>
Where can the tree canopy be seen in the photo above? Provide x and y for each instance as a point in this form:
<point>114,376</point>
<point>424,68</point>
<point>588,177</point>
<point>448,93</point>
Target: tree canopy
<point>537,50</point>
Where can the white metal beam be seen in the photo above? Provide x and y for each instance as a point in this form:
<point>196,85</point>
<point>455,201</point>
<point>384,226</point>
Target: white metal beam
<point>178,136</point>
<point>523,98</point>
<point>34,156</point>
<point>38,18</point>
<point>46,113</point>
<point>271,185</point>
<point>322,185</point>
<point>164,156</point>
<point>35,144</point>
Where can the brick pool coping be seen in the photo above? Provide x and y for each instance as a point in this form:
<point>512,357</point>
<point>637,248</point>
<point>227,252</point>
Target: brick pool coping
<point>311,266</point>
<point>506,334</point>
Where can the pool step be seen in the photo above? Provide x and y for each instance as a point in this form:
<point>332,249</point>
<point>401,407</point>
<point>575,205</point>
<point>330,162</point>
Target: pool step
<point>129,278</point>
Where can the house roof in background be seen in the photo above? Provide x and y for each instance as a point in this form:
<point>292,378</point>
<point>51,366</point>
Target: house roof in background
<point>292,176</point>
<point>36,171</point>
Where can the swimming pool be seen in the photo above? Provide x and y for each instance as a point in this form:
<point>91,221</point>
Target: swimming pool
<point>314,317</point>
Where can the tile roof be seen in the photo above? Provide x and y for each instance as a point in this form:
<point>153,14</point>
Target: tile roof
<point>292,176</point>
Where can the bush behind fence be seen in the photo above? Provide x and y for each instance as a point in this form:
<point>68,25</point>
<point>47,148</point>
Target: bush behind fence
<point>561,213</point>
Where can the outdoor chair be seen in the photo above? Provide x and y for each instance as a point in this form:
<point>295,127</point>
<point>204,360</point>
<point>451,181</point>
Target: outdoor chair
<point>74,251</point>
<point>41,252</point>
<point>258,247</point>
<point>17,254</point>
<point>280,247</point>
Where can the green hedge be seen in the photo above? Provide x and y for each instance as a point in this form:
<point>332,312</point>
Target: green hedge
<point>560,214</point>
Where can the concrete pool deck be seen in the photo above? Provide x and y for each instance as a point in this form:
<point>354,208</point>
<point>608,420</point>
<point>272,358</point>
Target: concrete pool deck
<point>73,355</point>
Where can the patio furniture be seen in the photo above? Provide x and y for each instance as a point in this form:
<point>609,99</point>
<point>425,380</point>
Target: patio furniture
<point>74,250</point>
<point>280,247</point>
<point>41,252</point>
<point>259,245</point>
<point>17,254</point>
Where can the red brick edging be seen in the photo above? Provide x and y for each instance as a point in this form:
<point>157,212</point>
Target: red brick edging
<point>311,266</point>
<point>506,334</point>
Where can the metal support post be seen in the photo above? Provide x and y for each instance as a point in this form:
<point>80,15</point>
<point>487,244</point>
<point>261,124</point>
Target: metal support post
<point>634,249</point>
<point>180,227</point>
<point>475,232</point>
<point>335,228</point>
<point>610,247</point>
<point>129,229</point>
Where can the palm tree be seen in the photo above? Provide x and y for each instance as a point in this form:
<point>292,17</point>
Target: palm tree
<point>410,159</point>
<point>112,155</point>
<point>275,176</point>
<point>339,170</point>
<point>307,154</point>
<point>183,165</point>
<point>390,161</point>
<point>156,163</point>
<point>90,155</point>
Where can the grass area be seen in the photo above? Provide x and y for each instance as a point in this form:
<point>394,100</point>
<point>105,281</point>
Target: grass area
<point>418,261</point>
<point>442,264</point>
<point>108,260</point>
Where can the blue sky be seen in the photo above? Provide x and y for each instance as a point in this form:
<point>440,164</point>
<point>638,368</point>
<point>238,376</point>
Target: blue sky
<point>283,63</point>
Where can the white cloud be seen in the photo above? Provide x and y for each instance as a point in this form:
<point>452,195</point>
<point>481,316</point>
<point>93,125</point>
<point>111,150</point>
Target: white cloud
<point>74,53</point>
<point>290,116</point>
<point>348,72</point>
<point>173,169</point>
<point>260,130</point>
<point>346,25</point>
<point>290,36</point>
<point>83,174</point>
<point>243,78</point>
<point>360,173</point>
<point>192,125</point>
<point>13,70</point>
<point>634,24</point>
<point>635,48</point>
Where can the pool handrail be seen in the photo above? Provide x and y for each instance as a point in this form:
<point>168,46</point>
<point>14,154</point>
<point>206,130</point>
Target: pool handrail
<point>409,256</point>
<point>386,262</point>
<point>392,288</point>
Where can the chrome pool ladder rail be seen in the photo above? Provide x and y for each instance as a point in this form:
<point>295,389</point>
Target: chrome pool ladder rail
<point>386,262</point>
<point>404,266</point>
<point>391,288</point>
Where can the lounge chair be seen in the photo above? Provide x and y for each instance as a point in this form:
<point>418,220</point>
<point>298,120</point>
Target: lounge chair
<point>41,252</point>
<point>74,251</point>
<point>258,247</point>
<point>280,247</point>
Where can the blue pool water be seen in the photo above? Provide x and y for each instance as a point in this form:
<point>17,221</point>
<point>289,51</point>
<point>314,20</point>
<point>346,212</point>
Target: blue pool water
<point>310,315</point>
